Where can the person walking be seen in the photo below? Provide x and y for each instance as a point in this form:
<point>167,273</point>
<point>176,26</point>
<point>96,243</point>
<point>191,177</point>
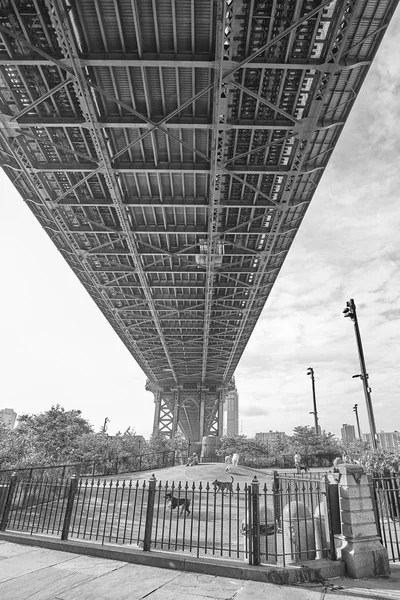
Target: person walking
<point>297,461</point>
<point>235,459</point>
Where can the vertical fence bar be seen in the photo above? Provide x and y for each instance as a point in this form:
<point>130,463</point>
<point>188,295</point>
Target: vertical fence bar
<point>127,510</point>
<point>333,514</point>
<point>73,486</point>
<point>149,513</point>
<point>255,530</point>
<point>191,518</point>
<point>249,525</point>
<point>110,487</point>
<point>8,502</point>
<point>199,521</point>
<point>277,499</point>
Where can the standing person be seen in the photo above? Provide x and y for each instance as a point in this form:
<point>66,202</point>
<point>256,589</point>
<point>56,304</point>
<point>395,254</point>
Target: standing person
<point>228,462</point>
<point>338,461</point>
<point>235,459</point>
<point>297,461</point>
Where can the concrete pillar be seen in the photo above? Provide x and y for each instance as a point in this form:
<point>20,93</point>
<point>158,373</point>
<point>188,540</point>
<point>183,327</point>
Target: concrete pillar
<point>202,412</point>
<point>157,407</point>
<point>220,413</point>
<point>359,545</point>
<point>176,412</point>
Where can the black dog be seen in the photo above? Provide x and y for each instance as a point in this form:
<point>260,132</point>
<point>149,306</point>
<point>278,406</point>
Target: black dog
<point>304,468</point>
<point>173,503</point>
<point>223,485</point>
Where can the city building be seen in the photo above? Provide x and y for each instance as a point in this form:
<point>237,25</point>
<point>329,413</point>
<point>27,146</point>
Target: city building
<point>269,438</point>
<point>8,416</point>
<point>231,410</point>
<point>387,440</point>
<point>348,434</point>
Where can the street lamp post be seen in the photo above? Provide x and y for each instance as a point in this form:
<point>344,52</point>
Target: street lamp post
<point>310,371</point>
<point>355,409</point>
<point>350,311</point>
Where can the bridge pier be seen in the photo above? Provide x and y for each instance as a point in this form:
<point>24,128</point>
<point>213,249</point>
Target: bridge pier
<point>195,410</point>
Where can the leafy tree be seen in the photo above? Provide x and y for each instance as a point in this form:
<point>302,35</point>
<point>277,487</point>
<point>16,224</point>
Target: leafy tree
<point>157,443</point>
<point>53,435</point>
<point>280,445</point>
<point>247,448</point>
<point>381,461</point>
<point>306,441</point>
<point>354,450</point>
<point>13,447</point>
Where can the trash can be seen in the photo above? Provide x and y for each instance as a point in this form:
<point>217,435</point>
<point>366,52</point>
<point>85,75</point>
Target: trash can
<point>297,525</point>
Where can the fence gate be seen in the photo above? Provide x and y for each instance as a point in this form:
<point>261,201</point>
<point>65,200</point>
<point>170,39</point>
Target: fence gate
<point>385,492</point>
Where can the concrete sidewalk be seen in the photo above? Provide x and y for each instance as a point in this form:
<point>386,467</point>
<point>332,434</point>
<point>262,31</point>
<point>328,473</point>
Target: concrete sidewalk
<point>31,573</point>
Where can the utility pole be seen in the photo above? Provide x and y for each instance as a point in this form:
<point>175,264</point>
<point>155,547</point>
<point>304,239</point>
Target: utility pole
<point>310,371</point>
<point>355,409</point>
<point>350,311</point>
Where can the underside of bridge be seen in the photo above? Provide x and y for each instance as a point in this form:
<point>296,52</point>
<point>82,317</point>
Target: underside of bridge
<point>170,149</point>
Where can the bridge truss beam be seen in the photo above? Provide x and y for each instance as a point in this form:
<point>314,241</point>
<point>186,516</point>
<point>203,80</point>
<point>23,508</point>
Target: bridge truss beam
<point>171,158</point>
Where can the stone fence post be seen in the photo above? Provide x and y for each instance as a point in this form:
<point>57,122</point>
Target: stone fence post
<point>358,545</point>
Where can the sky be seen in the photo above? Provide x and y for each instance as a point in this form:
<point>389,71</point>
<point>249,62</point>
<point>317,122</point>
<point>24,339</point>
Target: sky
<point>57,348</point>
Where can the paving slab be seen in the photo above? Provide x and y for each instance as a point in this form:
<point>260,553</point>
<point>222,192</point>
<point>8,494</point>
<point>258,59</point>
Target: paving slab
<point>30,562</point>
<point>91,565</point>
<point>191,585</point>
<point>7,550</point>
<point>131,582</point>
<point>45,584</point>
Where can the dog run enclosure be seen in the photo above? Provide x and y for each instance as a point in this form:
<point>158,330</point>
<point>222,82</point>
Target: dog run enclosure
<point>280,522</point>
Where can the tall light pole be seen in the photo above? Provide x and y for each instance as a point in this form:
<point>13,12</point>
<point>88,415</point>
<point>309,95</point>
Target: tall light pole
<point>355,409</point>
<point>310,371</point>
<point>350,311</point>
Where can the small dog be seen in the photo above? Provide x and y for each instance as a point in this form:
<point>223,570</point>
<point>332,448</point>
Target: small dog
<point>304,468</point>
<point>173,502</point>
<point>223,485</point>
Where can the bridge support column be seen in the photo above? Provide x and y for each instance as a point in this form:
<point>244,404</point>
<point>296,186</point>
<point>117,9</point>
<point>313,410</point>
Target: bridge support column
<point>202,412</point>
<point>194,409</point>
<point>157,410</point>
<point>221,396</point>
<point>175,420</point>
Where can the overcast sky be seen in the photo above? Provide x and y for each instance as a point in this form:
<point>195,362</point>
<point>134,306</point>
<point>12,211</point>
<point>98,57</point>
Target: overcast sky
<point>56,346</point>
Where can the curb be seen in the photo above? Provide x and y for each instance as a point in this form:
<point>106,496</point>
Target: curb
<point>308,572</point>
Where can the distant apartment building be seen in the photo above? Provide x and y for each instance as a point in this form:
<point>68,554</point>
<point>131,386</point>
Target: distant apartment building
<point>348,434</point>
<point>231,411</point>
<point>269,438</point>
<point>387,440</point>
<point>8,416</point>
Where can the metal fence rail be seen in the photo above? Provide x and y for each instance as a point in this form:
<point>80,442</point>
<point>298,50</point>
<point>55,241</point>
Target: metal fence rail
<point>36,506</point>
<point>129,463</point>
<point>132,463</point>
<point>386,497</point>
<point>280,523</point>
<point>64,471</point>
<point>109,511</point>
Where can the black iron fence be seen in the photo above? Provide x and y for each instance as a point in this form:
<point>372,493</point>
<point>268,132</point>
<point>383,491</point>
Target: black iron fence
<point>281,522</point>
<point>95,467</point>
<point>127,464</point>
<point>385,492</point>
<point>51,471</point>
<point>285,461</point>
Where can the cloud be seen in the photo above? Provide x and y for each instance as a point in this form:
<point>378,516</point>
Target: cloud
<point>254,411</point>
